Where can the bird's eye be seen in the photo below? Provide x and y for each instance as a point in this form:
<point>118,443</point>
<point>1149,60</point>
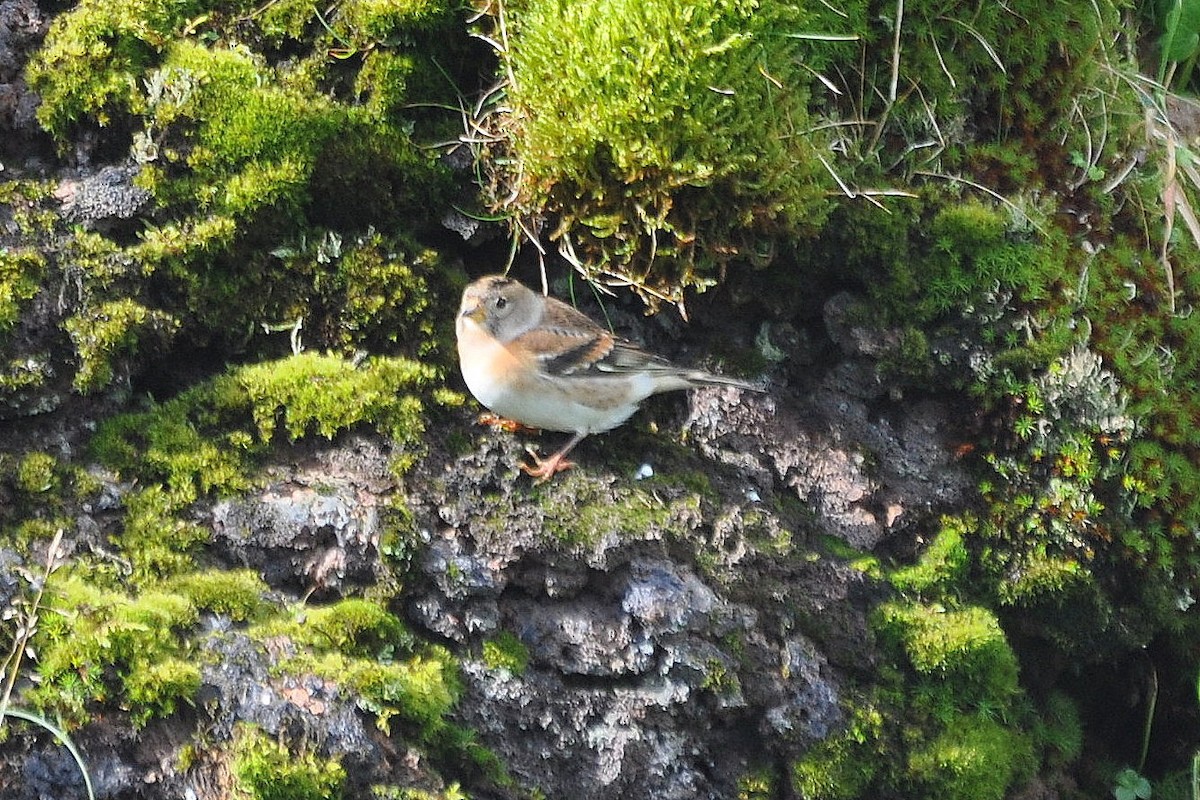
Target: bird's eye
<point>501,302</point>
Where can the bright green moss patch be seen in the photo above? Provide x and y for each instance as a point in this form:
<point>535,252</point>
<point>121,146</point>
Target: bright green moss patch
<point>264,769</point>
<point>156,542</point>
<point>20,277</point>
<point>238,593</point>
<point>323,394</point>
<point>359,644</point>
<point>245,154</point>
<point>944,565</point>
<point>206,438</point>
<point>419,690</point>
<point>352,627</point>
<point>37,473</point>
<point>157,689</point>
<point>974,758</point>
<point>965,648</point>
<point>506,651</point>
<point>102,645</point>
<point>649,127</point>
<point>95,55</point>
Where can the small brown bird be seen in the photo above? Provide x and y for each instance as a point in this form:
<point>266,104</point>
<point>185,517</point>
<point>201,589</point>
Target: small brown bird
<point>540,362</point>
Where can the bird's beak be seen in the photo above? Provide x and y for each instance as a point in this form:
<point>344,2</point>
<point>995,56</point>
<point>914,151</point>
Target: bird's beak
<point>474,313</point>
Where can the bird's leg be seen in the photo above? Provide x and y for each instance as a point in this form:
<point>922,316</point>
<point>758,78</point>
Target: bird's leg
<point>504,424</point>
<point>544,469</point>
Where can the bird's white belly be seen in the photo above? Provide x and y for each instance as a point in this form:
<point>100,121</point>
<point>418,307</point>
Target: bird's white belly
<point>554,410</point>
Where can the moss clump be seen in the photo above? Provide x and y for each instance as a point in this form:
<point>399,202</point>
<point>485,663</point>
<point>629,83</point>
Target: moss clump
<point>325,395</point>
<point>110,330</point>
<point>237,594</point>
<point>974,758</point>
<point>678,134</point>
<point>963,648</point>
<point>944,565</point>
<point>352,627</point>
<point>1059,730</point>
<point>206,438</point>
<point>157,543</point>
<point>155,689</point>
<point>246,150</point>
<point>842,766</point>
<point>506,651</point>
<point>384,291</point>
<point>20,277</point>
<point>96,54</point>
<point>361,645</point>
<point>263,769</point>
<point>103,643</point>
<point>419,690</point>
<point>37,473</point>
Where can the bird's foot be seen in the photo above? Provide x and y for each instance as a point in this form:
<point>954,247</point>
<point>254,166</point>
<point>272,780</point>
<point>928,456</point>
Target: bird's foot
<point>543,469</point>
<point>503,423</point>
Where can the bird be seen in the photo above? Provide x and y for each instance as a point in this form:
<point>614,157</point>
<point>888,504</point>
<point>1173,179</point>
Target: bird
<point>540,362</point>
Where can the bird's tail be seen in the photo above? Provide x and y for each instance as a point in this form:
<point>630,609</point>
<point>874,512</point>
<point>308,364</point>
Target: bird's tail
<point>701,378</point>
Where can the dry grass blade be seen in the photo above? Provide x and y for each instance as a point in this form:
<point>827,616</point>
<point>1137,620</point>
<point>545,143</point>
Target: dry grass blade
<point>991,51</point>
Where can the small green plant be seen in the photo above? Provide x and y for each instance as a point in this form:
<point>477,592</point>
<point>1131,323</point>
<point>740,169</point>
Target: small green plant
<point>1130,785</point>
<point>1180,41</point>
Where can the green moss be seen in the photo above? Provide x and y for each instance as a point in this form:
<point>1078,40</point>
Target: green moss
<point>102,643</point>
<point>506,651</point>
<point>843,765</point>
<point>263,769</point>
<point>20,277</point>
<point>364,23</point>
<point>577,510</point>
<point>964,648</point>
<point>324,394</point>
<point>206,438</point>
<point>1059,730</point>
<point>757,785</point>
<point>156,542</point>
<point>155,689</point>
<point>864,562</point>
<point>974,758</point>
<point>420,690</point>
<point>96,53</point>
<point>675,123</point>
<point>37,473</point>
<point>108,331</point>
<point>237,594</point>
<point>944,565</point>
<point>360,645</point>
<point>352,627</point>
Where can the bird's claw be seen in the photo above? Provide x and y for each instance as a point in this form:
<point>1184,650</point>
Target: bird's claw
<point>543,469</point>
<point>503,423</point>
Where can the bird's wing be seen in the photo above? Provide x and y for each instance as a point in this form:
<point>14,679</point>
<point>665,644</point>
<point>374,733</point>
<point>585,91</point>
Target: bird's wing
<point>568,343</point>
